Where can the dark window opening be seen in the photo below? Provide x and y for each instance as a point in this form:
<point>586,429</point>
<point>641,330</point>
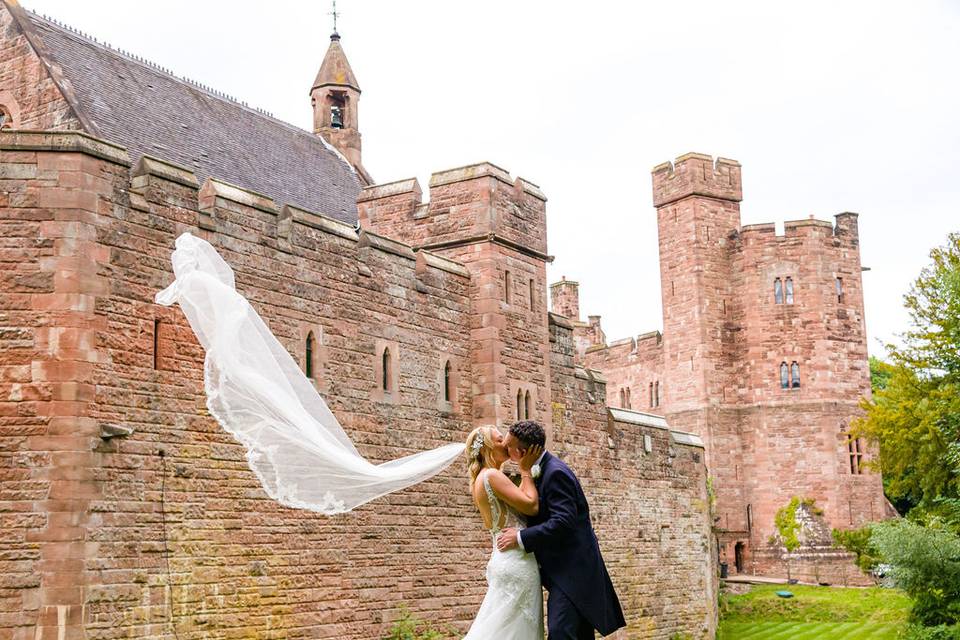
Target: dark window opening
<point>446,382</point>
<point>784,376</point>
<point>506,287</point>
<point>156,343</point>
<point>387,367</point>
<point>527,409</point>
<point>656,393</point>
<point>795,375</point>
<point>533,295</point>
<point>840,290</point>
<point>308,356</point>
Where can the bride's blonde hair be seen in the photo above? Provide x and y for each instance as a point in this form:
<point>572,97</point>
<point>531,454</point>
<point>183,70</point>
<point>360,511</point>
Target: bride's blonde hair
<point>478,460</point>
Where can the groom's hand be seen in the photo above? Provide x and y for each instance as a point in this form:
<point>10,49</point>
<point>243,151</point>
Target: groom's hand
<point>507,539</point>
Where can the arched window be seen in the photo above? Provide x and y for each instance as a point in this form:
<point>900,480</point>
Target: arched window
<point>6,120</point>
<point>777,291</point>
<point>784,376</point>
<point>308,356</point>
<point>795,375</point>
<point>656,393</point>
<point>506,287</point>
<point>519,404</point>
<point>387,370</point>
<point>533,295</point>
<point>651,395</point>
<point>446,382</point>
<point>789,287</point>
<point>628,398</point>
<point>840,290</point>
<point>527,409</point>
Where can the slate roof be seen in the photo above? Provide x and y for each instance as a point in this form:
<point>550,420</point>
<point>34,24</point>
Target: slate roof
<point>150,111</point>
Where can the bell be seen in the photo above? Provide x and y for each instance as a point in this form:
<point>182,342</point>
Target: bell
<point>336,117</point>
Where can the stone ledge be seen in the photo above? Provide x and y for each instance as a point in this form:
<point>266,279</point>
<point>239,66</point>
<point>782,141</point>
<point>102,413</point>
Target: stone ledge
<point>444,264</point>
<point>643,419</point>
<point>378,191</point>
<point>531,189</point>
<point>369,239</point>
<point>63,141</point>
<point>291,213</point>
<point>151,166</point>
<point>470,172</point>
<point>214,188</point>
<point>682,437</point>
<point>559,320</point>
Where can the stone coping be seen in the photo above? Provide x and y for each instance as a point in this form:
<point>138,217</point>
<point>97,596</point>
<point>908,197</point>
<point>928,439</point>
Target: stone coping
<point>470,172</point>
<point>319,221</point>
<point>370,239</point>
<point>444,264</point>
<point>149,165</point>
<point>559,320</point>
<point>644,419</point>
<point>63,141</point>
<point>377,191</point>
<point>248,197</point>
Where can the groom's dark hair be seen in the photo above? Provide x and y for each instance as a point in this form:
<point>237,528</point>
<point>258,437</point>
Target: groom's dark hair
<point>529,432</point>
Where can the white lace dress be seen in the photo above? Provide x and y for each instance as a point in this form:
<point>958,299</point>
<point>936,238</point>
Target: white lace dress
<point>513,606</point>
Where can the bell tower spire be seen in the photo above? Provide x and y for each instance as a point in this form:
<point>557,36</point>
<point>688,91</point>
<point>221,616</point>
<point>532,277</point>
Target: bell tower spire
<point>335,96</point>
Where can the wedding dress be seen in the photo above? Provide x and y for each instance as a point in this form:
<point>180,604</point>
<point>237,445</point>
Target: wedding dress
<point>257,392</point>
<point>512,609</point>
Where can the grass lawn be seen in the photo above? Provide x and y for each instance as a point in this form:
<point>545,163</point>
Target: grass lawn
<point>824,613</point>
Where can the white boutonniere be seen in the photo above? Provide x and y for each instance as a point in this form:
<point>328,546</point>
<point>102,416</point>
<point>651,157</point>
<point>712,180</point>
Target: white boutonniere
<point>535,471</point>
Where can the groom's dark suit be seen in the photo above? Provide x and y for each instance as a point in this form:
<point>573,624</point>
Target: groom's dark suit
<point>571,568</point>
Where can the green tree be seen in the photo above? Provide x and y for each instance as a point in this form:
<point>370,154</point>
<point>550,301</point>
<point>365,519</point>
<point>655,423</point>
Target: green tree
<point>880,372</point>
<point>915,411</point>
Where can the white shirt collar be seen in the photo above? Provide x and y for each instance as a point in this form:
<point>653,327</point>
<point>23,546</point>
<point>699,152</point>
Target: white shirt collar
<point>540,459</point>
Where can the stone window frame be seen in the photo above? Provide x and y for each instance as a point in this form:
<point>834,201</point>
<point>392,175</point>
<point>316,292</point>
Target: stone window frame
<point>318,367</point>
<point>392,393</point>
<point>9,105</point>
<point>788,297</point>
<point>777,291</point>
<point>524,396</point>
<point>855,452</point>
<point>838,283</point>
<point>448,381</point>
<point>656,393</point>
<point>533,295</point>
<point>794,375</point>
<point>506,286</point>
<point>784,375</point>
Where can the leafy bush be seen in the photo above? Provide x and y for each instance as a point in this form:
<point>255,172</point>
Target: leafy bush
<point>939,632</point>
<point>410,627</point>
<point>926,564</point>
<point>858,542</point>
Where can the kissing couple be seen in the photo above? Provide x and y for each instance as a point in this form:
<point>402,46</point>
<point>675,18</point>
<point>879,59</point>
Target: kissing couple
<point>541,534</point>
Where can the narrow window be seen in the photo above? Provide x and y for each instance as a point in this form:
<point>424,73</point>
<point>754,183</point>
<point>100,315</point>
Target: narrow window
<point>506,287</point>
<point>749,517</point>
<point>840,290</point>
<point>308,356</point>
<point>777,291</point>
<point>784,376</point>
<point>533,295</point>
<point>623,399</point>
<point>656,393</point>
<point>628,398</point>
<point>856,455</point>
<point>651,395</point>
<point>156,343</point>
<point>446,382</point>
<point>673,288</point>
<point>789,290</point>
<point>724,302</point>
<point>795,375</point>
<point>519,404</point>
<point>527,412</point>
<point>387,370</point>
<point>5,119</point>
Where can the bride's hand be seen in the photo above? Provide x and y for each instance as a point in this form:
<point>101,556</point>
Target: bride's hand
<point>530,457</point>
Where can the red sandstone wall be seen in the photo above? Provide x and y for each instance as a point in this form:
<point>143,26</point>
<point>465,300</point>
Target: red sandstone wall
<point>26,88</point>
<point>635,365</point>
<point>104,537</point>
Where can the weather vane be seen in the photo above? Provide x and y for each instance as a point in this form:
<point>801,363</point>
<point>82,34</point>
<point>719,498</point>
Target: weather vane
<point>335,15</point>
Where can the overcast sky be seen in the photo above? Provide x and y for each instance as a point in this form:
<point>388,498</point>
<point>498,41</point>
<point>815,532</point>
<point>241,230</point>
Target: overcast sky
<point>829,106</point>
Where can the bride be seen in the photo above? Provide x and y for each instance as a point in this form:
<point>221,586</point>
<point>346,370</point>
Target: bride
<point>513,606</point>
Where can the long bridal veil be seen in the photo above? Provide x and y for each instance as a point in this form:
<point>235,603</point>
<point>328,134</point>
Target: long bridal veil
<point>256,391</point>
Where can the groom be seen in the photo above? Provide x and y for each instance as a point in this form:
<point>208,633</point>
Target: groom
<point>560,535</point>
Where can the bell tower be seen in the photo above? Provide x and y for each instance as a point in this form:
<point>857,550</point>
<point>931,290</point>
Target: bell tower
<point>335,97</point>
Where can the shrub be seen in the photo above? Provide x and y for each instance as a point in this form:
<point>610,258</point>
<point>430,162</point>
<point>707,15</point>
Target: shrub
<point>926,564</point>
<point>939,632</point>
<point>410,627</point>
<point>858,542</point>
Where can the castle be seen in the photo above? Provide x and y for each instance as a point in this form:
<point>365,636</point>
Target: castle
<point>127,512</point>
<point>763,354</point>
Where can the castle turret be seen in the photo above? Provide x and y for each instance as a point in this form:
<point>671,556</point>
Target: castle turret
<point>335,97</point>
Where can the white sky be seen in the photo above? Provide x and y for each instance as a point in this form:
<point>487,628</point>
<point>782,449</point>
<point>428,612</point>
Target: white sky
<point>829,106</point>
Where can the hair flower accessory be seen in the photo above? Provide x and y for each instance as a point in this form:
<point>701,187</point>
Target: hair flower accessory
<point>535,471</point>
<point>477,444</point>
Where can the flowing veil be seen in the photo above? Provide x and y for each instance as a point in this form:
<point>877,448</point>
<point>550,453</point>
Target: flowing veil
<point>256,391</point>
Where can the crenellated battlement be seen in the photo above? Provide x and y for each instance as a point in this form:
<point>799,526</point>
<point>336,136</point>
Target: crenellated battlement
<point>696,174</point>
<point>845,228</point>
<point>163,182</point>
<point>466,205</point>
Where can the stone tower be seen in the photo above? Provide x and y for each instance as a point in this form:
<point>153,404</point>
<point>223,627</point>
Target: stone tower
<point>335,98</point>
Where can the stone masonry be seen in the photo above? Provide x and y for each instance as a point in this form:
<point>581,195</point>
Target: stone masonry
<point>127,512</point>
<point>743,306</point>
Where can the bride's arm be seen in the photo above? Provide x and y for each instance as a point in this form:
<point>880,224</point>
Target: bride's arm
<point>523,498</point>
